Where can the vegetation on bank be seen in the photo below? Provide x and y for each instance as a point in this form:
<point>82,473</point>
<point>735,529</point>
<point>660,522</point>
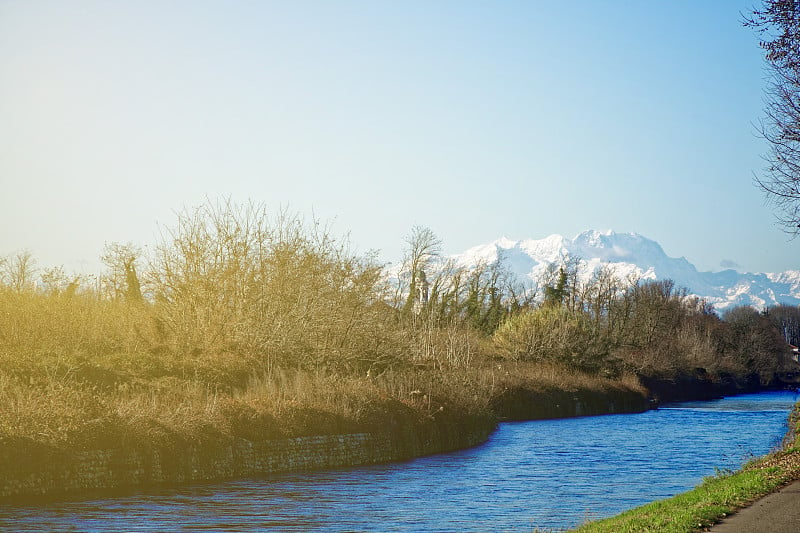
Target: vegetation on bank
<point>712,500</point>
<point>239,324</point>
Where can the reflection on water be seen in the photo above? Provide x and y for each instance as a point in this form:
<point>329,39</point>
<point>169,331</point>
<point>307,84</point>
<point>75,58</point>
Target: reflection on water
<point>544,474</point>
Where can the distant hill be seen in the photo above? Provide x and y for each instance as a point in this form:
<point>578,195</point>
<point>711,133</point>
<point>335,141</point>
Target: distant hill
<point>631,253</point>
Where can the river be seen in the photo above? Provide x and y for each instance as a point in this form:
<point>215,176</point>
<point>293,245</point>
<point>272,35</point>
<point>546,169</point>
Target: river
<point>548,474</point>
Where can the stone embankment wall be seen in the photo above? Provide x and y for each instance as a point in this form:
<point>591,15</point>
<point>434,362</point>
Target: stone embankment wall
<point>109,470</point>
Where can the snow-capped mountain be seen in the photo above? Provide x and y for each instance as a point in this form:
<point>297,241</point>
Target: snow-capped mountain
<point>634,254</point>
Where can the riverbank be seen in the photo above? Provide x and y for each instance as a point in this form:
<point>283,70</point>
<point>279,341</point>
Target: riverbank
<point>716,498</point>
<point>34,472</point>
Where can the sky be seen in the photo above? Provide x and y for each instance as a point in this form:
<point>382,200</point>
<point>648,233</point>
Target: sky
<point>476,119</point>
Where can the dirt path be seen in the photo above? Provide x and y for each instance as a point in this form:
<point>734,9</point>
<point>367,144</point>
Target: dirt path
<point>778,512</point>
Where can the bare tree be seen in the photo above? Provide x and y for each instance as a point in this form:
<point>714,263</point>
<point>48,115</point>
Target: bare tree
<point>121,279</point>
<point>423,247</point>
<point>787,319</point>
<point>54,281</point>
<point>779,23</point>
<point>18,271</point>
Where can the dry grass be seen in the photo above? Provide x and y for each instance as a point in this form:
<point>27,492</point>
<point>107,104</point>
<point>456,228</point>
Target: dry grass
<point>85,372</point>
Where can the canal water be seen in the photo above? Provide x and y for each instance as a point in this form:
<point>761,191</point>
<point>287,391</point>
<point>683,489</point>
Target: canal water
<point>549,474</point>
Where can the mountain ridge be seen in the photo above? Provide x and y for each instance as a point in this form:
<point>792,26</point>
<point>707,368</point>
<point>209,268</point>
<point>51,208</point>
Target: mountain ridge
<point>636,255</point>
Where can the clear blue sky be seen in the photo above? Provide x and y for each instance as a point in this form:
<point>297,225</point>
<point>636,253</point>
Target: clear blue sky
<point>476,119</point>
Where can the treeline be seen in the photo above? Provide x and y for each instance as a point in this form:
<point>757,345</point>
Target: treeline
<point>229,280</point>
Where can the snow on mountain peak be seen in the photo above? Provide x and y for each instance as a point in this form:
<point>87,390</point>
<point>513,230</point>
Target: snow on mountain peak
<point>593,237</point>
<point>505,243</point>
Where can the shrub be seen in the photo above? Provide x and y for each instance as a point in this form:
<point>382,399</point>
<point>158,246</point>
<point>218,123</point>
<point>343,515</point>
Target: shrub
<point>229,278</point>
<point>550,333</point>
